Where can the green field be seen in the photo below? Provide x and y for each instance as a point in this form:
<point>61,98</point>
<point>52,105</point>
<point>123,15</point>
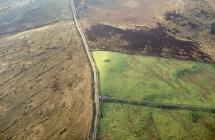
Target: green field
<point>156,79</point>
<point>128,122</point>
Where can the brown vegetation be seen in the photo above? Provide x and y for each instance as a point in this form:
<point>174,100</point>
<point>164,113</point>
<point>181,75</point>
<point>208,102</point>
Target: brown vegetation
<point>179,21</point>
<point>19,15</point>
<point>155,42</point>
<point>125,12</point>
<point>45,85</point>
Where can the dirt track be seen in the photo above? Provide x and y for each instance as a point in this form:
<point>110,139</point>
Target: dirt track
<point>94,74</point>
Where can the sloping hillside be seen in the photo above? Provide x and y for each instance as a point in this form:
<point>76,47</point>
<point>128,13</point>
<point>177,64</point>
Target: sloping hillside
<point>45,85</point>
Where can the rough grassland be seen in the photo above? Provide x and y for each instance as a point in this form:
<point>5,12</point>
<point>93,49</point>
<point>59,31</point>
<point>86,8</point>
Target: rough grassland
<point>156,79</point>
<point>18,15</point>
<point>187,20</point>
<point>122,12</point>
<point>127,122</point>
<point>45,85</point>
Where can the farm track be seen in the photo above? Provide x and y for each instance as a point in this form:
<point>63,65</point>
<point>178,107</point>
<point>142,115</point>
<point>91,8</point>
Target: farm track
<point>94,73</point>
<point>157,105</point>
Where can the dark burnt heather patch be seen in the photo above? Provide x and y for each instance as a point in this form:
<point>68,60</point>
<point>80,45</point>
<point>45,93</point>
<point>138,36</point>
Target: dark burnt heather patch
<point>193,25</point>
<point>155,42</point>
<point>174,16</point>
<point>184,20</point>
<point>213,28</point>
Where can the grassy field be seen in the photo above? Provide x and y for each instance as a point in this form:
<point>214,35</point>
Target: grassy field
<point>156,79</point>
<point>127,122</point>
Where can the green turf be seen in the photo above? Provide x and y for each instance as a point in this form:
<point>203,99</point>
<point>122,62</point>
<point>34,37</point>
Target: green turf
<point>128,122</point>
<point>156,79</point>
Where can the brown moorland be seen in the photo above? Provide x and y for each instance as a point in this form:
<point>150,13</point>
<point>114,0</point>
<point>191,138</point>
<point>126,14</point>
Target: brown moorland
<point>154,42</point>
<point>19,15</point>
<point>178,29</point>
<point>45,85</point>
